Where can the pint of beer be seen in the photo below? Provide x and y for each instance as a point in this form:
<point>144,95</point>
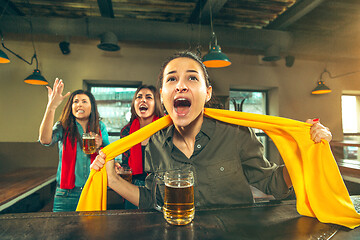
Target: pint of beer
<point>125,172</point>
<point>89,143</point>
<point>179,206</point>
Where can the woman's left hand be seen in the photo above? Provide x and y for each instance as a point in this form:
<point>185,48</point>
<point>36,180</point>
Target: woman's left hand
<point>98,141</point>
<point>319,131</point>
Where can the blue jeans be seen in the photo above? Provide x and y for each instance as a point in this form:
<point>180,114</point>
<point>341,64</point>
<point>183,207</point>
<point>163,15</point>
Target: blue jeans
<point>129,205</point>
<point>66,200</point>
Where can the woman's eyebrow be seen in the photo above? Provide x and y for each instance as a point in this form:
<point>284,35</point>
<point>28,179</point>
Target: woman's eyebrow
<point>171,72</point>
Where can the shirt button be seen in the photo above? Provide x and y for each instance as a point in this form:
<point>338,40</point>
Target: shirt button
<point>198,146</point>
<point>198,204</point>
<point>222,169</point>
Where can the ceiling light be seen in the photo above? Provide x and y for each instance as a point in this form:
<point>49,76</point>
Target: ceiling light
<point>35,78</point>
<point>215,58</point>
<point>3,57</point>
<point>108,42</point>
<point>272,53</point>
<point>321,88</point>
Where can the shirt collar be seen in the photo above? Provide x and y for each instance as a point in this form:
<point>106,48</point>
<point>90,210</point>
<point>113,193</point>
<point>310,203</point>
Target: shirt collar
<point>207,128</point>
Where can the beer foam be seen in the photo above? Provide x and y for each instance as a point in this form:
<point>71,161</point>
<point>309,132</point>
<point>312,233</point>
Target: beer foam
<point>88,137</point>
<point>179,184</point>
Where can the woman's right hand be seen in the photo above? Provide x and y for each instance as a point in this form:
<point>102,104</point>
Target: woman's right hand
<point>99,161</point>
<point>55,96</point>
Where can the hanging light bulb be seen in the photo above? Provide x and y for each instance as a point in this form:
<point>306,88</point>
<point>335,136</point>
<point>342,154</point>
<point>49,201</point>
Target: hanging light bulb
<point>3,57</point>
<point>215,58</point>
<point>35,78</point>
<point>321,88</point>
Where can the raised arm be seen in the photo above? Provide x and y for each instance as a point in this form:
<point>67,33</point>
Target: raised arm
<point>55,98</point>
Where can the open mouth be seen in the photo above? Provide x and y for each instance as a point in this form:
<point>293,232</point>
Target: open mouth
<point>143,108</point>
<point>182,106</point>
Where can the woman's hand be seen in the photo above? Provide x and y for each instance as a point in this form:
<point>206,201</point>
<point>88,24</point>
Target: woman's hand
<point>98,141</point>
<point>99,161</point>
<point>319,131</point>
<point>55,96</point>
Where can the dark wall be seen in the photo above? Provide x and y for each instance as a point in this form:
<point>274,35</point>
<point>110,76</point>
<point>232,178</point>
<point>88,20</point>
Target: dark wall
<point>15,155</point>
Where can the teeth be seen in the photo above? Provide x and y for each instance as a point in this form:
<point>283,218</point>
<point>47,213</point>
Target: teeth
<point>81,111</point>
<point>143,107</point>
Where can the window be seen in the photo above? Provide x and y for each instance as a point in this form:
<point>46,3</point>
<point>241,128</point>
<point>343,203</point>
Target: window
<point>251,101</point>
<point>350,105</point>
<point>114,106</point>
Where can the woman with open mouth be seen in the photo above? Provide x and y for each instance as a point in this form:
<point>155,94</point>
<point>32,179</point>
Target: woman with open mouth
<point>79,115</point>
<point>145,108</point>
<point>226,159</point>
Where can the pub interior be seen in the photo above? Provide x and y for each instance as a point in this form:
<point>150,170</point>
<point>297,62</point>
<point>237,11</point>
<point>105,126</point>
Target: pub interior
<point>316,39</point>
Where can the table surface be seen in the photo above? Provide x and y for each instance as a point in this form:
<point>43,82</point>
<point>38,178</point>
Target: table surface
<point>18,183</point>
<point>273,220</point>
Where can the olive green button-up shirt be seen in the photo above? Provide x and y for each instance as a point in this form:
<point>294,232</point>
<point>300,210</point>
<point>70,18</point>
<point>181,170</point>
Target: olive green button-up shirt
<point>227,159</point>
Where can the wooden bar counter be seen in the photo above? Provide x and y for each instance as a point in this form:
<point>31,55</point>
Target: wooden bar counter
<point>21,183</point>
<point>271,220</point>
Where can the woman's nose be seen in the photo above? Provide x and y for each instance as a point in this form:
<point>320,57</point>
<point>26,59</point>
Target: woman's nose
<point>181,87</point>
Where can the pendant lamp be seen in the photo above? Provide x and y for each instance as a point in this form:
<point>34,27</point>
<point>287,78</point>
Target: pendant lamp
<point>35,78</point>
<point>215,58</point>
<point>321,88</point>
<point>109,42</point>
<point>3,57</point>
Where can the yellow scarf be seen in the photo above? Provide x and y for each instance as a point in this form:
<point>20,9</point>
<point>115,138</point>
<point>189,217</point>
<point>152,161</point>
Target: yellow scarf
<point>320,190</point>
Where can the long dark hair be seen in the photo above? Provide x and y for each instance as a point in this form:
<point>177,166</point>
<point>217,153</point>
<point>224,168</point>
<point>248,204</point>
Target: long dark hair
<point>67,118</point>
<point>158,111</point>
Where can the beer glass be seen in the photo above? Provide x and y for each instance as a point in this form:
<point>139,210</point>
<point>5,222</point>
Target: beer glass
<point>89,143</point>
<point>125,172</point>
<point>179,208</point>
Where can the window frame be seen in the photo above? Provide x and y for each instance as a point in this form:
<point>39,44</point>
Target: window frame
<point>89,84</point>
<point>266,93</point>
<point>354,133</point>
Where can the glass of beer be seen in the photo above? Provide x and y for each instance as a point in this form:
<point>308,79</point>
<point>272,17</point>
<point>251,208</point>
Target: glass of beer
<point>125,172</point>
<point>179,208</point>
<point>89,143</point>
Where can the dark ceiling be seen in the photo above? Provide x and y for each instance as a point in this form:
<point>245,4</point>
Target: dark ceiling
<point>313,29</point>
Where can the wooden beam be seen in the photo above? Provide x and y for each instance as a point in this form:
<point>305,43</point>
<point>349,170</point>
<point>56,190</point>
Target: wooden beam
<point>297,11</point>
<point>106,9</point>
<point>10,8</point>
<point>203,9</point>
